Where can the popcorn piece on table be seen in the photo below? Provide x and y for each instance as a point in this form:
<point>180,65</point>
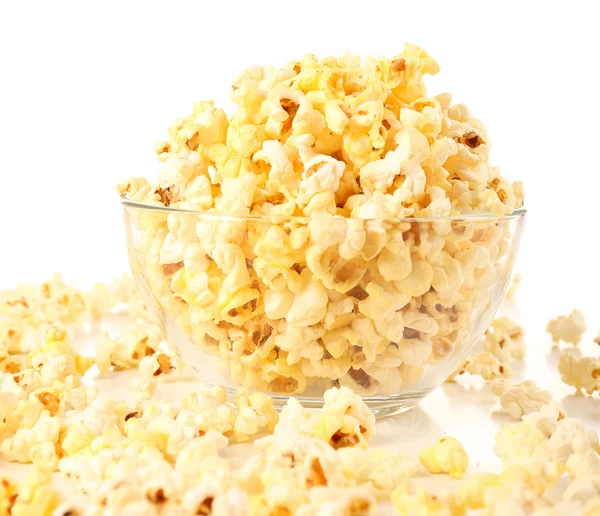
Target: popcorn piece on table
<point>128,349</point>
<point>505,340</point>
<point>472,489</point>
<point>445,456</point>
<point>39,444</point>
<point>343,421</point>
<point>324,501</point>
<point>381,469</point>
<point>36,495</point>
<point>485,365</point>
<point>567,328</point>
<point>582,373</point>
<point>409,501</point>
<point>255,412</point>
<point>8,494</point>
<point>521,398</point>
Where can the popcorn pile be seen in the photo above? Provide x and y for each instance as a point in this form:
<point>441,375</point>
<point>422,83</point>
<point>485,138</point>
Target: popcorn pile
<point>503,343</point>
<point>285,248</point>
<point>146,456</point>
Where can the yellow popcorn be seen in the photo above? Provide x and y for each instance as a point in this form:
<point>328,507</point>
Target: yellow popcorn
<point>582,373</point>
<point>326,500</point>
<point>504,339</point>
<point>418,502</point>
<point>36,495</point>
<point>8,495</point>
<point>472,490</point>
<point>512,499</point>
<point>518,441</point>
<point>522,398</point>
<point>487,366</point>
<point>318,154</point>
<point>255,411</point>
<point>446,456</point>
<point>537,476</point>
<point>128,349</point>
<point>567,328</point>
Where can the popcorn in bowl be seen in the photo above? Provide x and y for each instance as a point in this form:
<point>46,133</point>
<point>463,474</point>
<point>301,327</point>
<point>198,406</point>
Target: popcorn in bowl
<point>342,228</point>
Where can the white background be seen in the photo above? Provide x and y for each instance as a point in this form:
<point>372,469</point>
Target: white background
<point>87,88</point>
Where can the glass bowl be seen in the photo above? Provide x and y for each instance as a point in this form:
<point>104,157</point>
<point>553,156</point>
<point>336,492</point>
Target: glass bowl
<point>295,305</point>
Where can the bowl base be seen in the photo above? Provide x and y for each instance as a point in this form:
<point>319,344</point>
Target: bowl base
<point>381,406</point>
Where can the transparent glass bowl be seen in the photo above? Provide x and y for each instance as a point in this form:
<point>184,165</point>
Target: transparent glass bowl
<point>295,305</point>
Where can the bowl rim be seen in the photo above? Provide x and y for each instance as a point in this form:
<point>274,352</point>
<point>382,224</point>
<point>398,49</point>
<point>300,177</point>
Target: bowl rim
<point>128,203</point>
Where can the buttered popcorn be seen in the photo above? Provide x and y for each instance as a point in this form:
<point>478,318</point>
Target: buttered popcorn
<point>445,456</point>
<point>567,328</point>
<point>522,398</point>
<point>583,373</point>
<point>152,457</point>
<point>295,259</point>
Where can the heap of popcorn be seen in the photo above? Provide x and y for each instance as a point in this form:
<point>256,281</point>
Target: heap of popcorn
<point>319,140</point>
<point>296,263</point>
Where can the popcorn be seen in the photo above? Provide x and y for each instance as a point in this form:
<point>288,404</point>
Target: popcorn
<point>567,328</point>
<point>487,366</point>
<point>344,421</point>
<point>382,470</point>
<point>446,456</point>
<point>504,340</point>
<point>128,349</point>
<point>325,501</point>
<point>36,495</point>
<point>522,398</point>
<point>518,441</point>
<point>408,502</point>
<point>582,373</point>
<point>314,280</point>
<point>255,411</point>
<point>472,490</point>
<point>8,495</point>
<point>513,499</point>
<point>39,444</point>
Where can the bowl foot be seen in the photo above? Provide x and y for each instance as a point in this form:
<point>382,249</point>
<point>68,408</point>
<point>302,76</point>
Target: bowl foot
<point>381,406</point>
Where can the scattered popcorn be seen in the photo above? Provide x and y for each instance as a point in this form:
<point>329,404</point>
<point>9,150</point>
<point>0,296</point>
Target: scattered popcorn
<point>344,421</point>
<point>487,366</point>
<point>417,501</point>
<point>326,501</point>
<point>582,373</point>
<point>567,328</point>
<point>504,340</point>
<point>472,490</point>
<point>522,398</point>
<point>128,349</point>
<point>446,456</point>
<point>380,469</point>
<point>255,412</point>
<point>8,494</point>
<point>519,441</point>
<point>36,495</point>
<point>152,457</point>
